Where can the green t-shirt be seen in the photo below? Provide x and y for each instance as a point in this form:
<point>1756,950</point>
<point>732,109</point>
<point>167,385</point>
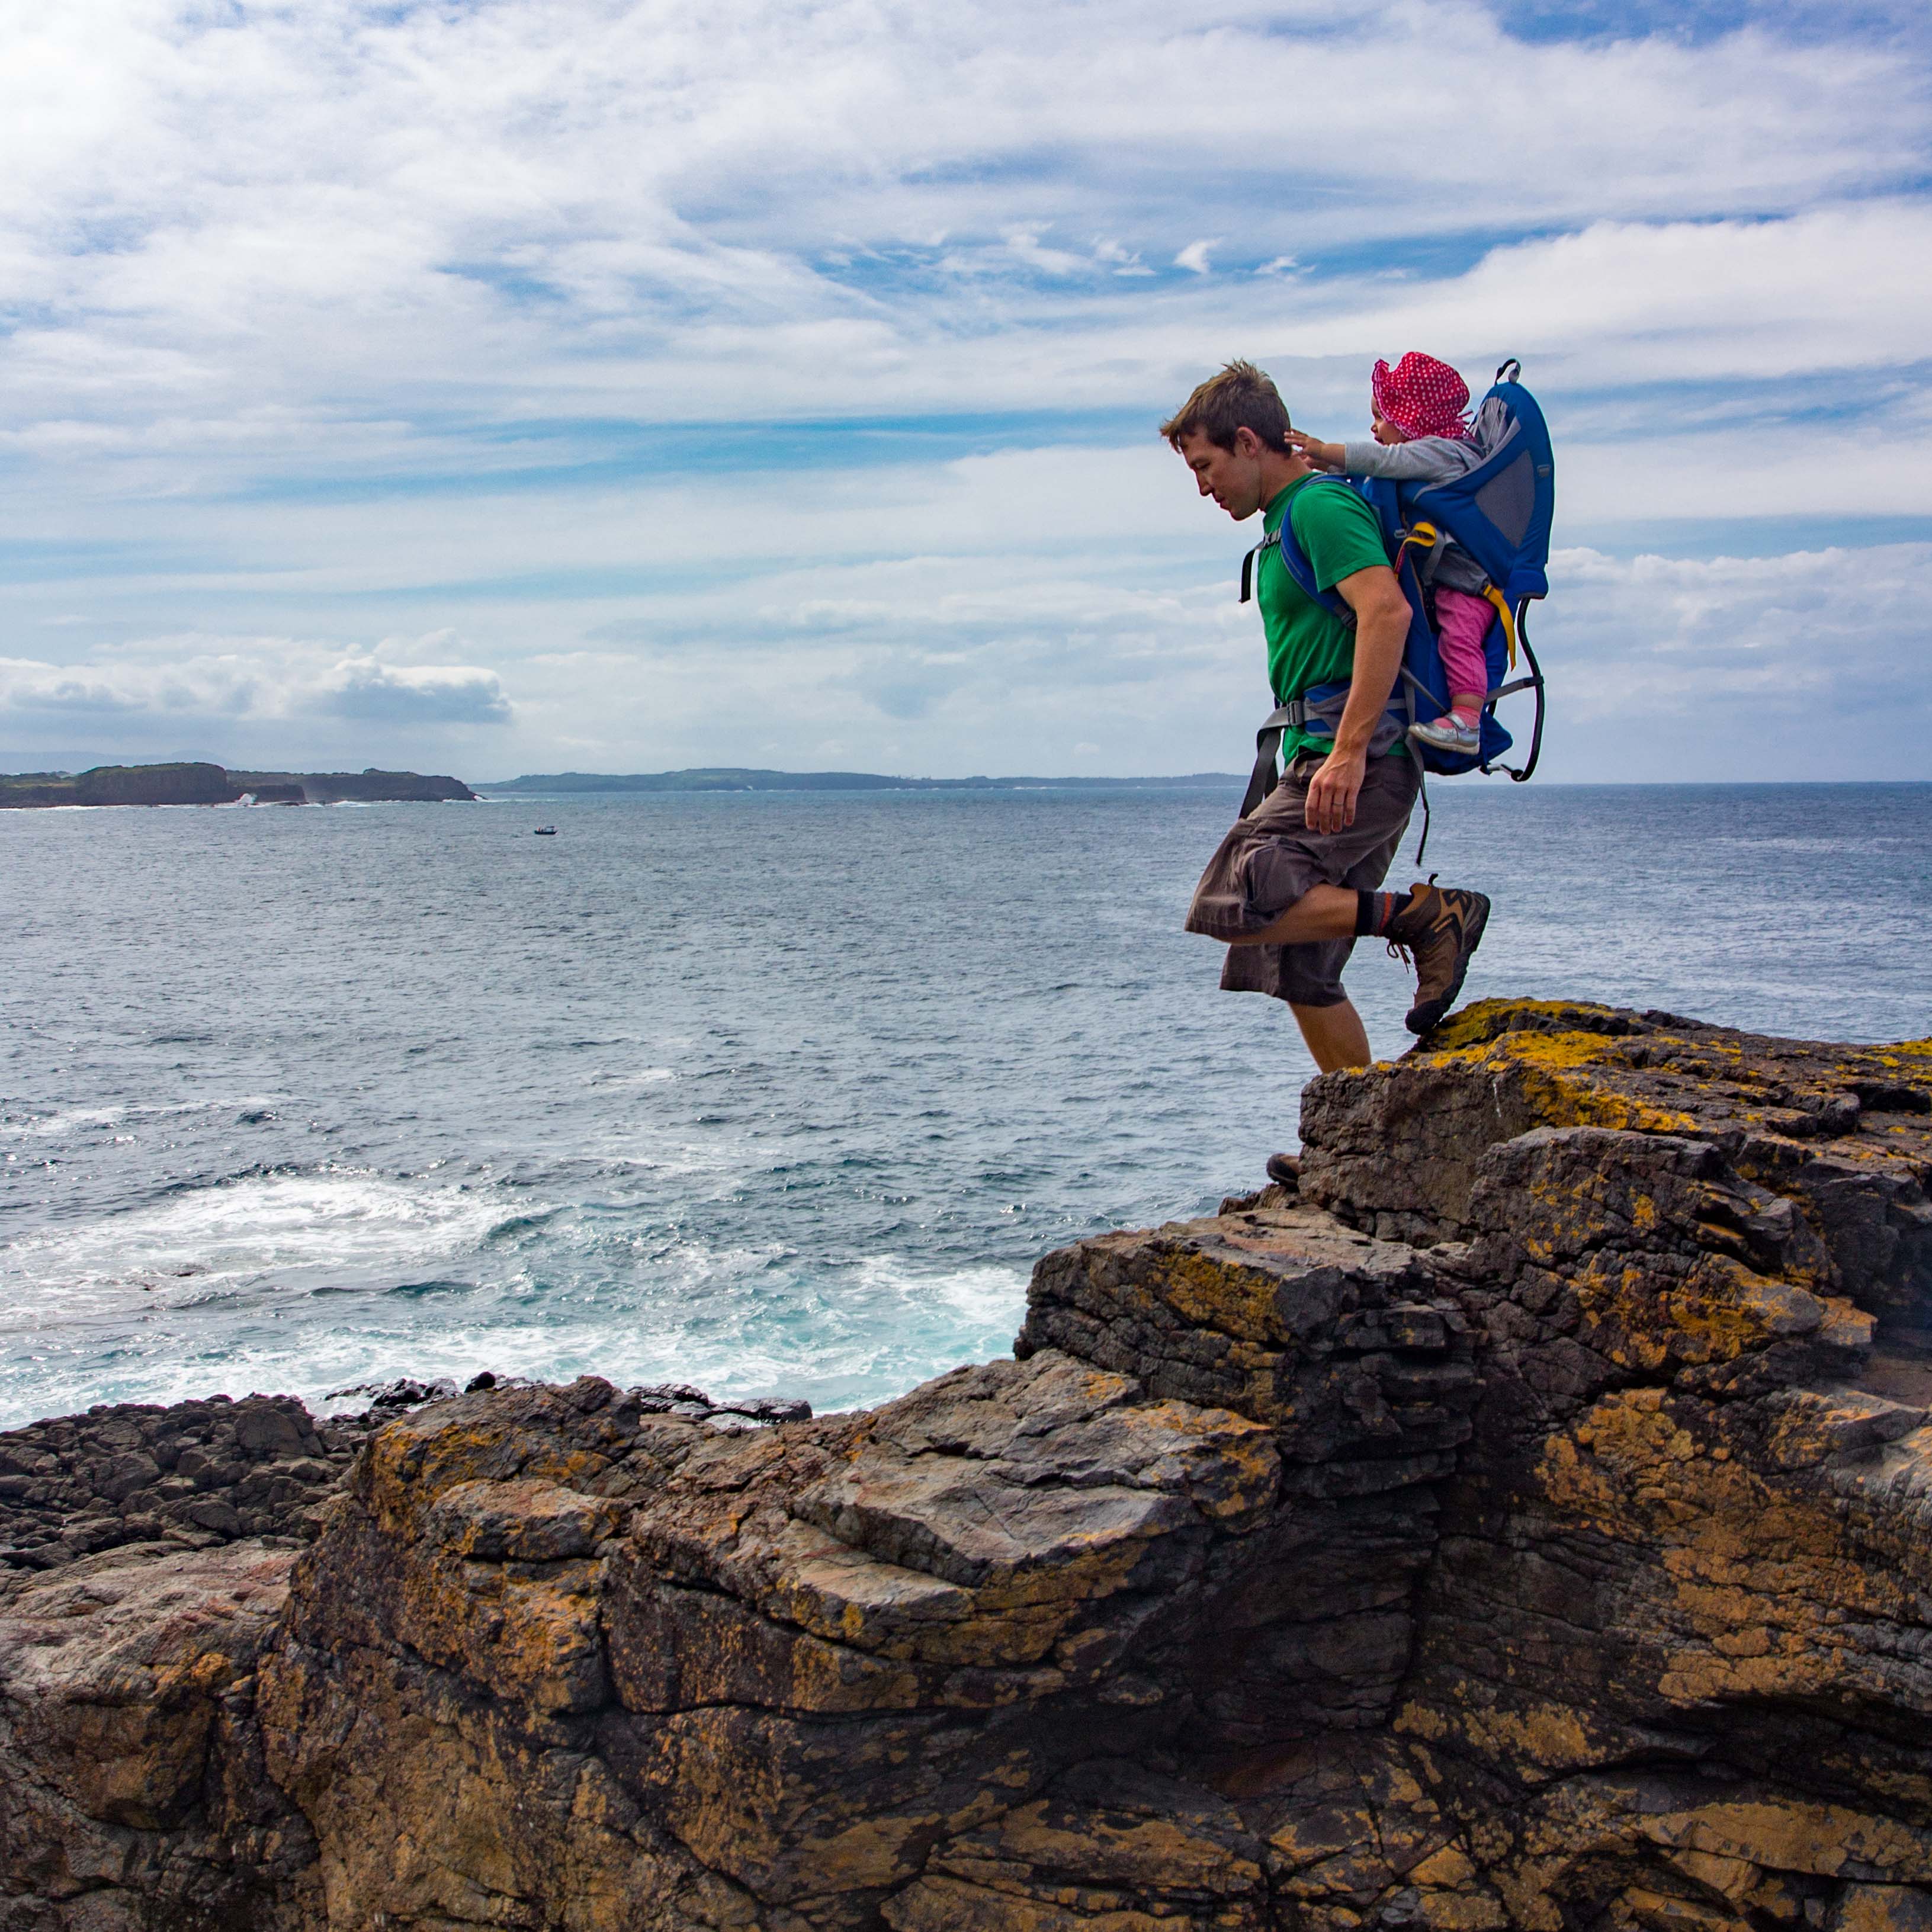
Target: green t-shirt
<point>1307,644</point>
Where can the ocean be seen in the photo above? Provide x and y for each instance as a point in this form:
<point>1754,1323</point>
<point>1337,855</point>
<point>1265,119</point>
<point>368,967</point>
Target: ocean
<point>777,1094</point>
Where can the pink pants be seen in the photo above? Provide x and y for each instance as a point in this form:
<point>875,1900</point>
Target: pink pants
<point>1461,623</point>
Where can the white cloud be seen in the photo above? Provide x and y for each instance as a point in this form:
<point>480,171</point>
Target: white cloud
<point>237,686</point>
<point>500,210</point>
<point>348,319</point>
<point>1840,287</point>
<point>1660,668</point>
<point>1120,261</point>
<point>918,620</point>
<point>1818,644</point>
<point>428,694</point>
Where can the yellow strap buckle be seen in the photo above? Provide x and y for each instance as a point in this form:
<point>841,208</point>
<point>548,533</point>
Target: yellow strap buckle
<point>1426,536</point>
<point>1502,603</point>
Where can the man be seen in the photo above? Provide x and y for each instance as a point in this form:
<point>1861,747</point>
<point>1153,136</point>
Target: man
<point>1293,884</point>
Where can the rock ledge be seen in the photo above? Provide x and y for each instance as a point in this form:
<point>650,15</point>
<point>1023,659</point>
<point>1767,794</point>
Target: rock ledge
<point>1524,1524</point>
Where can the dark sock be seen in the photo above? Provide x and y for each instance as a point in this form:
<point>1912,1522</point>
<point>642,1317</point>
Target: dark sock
<point>1373,911</point>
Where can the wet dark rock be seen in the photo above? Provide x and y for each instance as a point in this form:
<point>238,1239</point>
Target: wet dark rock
<point>387,1399</point>
<point>682,1398</point>
<point>191,1475</point>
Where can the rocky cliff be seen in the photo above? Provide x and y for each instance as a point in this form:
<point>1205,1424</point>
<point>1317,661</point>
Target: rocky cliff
<point>1523,1525</point>
<point>365,787</point>
<point>122,785</point>
<point>210,784</point>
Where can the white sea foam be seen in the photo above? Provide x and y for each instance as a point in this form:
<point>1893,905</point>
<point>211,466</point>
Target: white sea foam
<point>72,1121</point>
<point>736,1321</point>
<point>854,1335</point>
<point>977,1295</point>
<point>726,1162</point>
<point>205,1240</point>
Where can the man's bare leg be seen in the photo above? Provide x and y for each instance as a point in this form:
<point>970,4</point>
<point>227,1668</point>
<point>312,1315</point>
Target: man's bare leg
<point>1336,1036</point>
<point>1322,912</point>
<point>1441,927</point>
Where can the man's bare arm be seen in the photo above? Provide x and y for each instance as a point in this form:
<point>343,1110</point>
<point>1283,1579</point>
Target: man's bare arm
<point>1381,632</point>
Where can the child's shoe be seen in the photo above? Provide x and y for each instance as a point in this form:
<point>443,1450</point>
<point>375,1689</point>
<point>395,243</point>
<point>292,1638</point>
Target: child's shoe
<point>1449,733</point>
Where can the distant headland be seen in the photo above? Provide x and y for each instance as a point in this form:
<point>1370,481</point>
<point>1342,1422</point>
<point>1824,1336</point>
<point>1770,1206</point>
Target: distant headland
<point>196,784</point>
<point>202,783</point>
<point>732,778</point>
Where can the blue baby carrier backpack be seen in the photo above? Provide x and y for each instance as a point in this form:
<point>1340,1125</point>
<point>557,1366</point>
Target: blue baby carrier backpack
<point>1499,512</point>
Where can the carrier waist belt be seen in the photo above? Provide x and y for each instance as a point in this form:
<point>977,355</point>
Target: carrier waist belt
<point>1317,710</point>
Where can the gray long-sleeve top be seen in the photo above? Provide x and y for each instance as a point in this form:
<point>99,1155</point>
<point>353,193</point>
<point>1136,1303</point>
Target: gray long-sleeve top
<point>1427,459</point>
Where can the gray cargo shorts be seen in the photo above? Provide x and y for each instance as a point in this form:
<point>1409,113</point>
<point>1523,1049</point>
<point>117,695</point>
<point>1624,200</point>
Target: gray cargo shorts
<point>1269,859</point>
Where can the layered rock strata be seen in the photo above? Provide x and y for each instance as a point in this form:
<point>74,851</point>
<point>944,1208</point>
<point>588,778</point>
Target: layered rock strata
<point>1524,1526</point>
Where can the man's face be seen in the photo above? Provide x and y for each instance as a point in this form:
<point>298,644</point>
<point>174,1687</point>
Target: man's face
<point>1232,477</point>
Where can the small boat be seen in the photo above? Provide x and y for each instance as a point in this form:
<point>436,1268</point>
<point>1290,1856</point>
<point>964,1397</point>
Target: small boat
<point>544,832</point>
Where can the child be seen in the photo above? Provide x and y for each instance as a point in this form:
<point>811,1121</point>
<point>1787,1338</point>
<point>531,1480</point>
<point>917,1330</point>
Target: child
<point>1421,437</point>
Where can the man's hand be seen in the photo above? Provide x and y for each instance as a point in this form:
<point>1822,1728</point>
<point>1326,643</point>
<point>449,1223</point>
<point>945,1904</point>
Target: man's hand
<point>1312,449</point>
<point>1334,789</point>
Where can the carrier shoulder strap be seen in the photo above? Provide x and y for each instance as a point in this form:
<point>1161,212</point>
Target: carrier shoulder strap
<point>1294,559</point>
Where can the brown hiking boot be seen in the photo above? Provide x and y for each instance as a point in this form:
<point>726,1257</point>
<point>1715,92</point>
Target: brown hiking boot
<point>1440,929</point>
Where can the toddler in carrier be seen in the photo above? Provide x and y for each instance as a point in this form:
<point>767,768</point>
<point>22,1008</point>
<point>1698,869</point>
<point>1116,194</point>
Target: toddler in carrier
<point>1422,435</point>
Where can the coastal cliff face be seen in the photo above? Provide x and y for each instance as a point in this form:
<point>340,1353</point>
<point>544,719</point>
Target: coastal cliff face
<point>1523,1525</point>
<point>366,787</point>
<point>122,785</point>
<point>210,784</point>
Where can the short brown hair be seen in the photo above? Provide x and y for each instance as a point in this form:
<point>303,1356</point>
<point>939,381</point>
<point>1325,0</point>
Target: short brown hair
<point>1242,396</point>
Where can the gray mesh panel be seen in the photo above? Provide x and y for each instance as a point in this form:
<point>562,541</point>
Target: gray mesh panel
<point>1508,500</point>
<point>1493,426</point>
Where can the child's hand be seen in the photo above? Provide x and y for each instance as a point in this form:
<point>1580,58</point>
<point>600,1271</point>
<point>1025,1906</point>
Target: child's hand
<point>1323,455</point>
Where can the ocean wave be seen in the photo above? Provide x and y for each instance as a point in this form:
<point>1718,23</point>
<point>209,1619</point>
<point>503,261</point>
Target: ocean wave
<point>67,1121</point>
<point>638,1305</point>
<point>207,1240</point>
<point>684,1109</point>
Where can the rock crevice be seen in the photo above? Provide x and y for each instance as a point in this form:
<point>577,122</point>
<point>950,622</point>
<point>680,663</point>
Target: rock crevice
<point>1524,1523</point>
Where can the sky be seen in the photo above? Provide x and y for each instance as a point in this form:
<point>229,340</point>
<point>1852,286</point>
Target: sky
<point>500,386</point>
